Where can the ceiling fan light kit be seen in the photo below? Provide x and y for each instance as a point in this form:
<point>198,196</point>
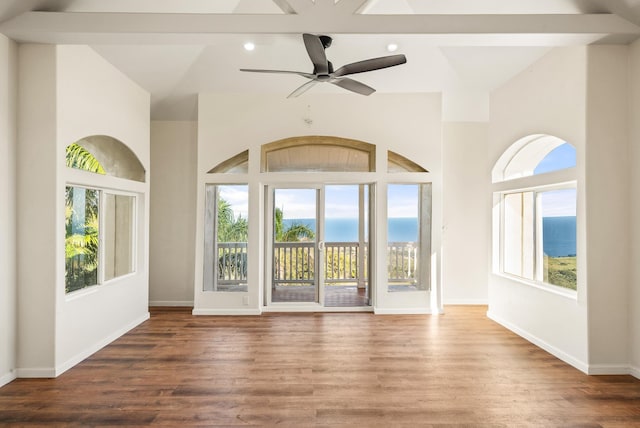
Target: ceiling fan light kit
<point>323,69</point>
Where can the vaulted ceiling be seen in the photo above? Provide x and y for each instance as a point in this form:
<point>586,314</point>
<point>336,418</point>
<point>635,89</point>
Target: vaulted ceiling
<point>462,48</point>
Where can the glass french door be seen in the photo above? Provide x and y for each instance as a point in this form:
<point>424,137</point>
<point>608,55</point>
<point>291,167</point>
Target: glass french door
<point>296,245</point>
<point>319,246</point>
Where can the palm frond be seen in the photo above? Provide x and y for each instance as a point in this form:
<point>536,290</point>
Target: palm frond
<point>80,158</point>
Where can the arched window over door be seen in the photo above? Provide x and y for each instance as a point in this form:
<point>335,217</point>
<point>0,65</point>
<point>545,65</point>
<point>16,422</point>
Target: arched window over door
<point>318,154</point>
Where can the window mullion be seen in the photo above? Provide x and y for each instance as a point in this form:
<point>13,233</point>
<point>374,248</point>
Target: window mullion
<point>101,229</point>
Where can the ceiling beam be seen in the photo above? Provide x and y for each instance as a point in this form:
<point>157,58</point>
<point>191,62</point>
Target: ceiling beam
<point>128,28</point>
<point>352,6</point>
<point>294,6</point>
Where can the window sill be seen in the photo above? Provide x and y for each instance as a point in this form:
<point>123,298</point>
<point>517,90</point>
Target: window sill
<point>119,278</point>
<point>82,292</point>
<point>96,287</point>
<point>569,294</point>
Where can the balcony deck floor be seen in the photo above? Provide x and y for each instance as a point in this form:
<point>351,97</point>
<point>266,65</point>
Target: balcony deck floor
<point>335,295</point>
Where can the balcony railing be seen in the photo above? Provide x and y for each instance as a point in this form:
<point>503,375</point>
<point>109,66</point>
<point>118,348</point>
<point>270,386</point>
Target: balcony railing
<point>232,263</point>
<point>294,263</point>
<point>402,262</point>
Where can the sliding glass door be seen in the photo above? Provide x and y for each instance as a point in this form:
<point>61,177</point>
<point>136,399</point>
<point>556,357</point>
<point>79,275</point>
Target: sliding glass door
<point>319,245</point>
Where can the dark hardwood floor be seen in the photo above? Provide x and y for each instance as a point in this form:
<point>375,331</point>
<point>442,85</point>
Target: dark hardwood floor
<point>323,370</point>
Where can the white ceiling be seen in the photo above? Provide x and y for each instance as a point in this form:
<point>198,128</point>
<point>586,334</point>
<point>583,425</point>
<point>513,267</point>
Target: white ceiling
<point>462,48</point>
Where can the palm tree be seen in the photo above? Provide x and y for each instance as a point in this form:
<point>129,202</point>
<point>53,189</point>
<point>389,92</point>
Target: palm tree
<point>80,158</point>
<point>233,261</point>
<point>81,238</point>
<point>294,232</point>
<point>295,260</point>
<point>81,223</point>
<point>230,228</point>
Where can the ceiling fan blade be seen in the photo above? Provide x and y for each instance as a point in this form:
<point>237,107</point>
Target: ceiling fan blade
<point>299,73</point>
<point>315,49</point>
<point>370,65</point>
<point>302,89</point>
<point>353,86</point>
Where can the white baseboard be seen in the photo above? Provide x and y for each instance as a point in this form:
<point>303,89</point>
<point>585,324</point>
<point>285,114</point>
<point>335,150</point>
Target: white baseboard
<point>226,311</point>
<point>47,372</point>
<point>558,353</point>
<point>188,303</point>
<point>609,369</point>
<point>8,377</point>
<point>634,371</point>
<point>61,368</point>
<point>402,311</point>
<point>483,302</point>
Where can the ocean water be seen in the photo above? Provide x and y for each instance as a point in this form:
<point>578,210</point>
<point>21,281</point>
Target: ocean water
<point>559,236</point>
<point>346,229</point>
<point>559,233</point>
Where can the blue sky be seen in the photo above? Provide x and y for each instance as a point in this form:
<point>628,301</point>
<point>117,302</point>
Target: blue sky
<point>563,156</point>
<point>558,203</point>
<point>237,196</point>
<point>341,201</point>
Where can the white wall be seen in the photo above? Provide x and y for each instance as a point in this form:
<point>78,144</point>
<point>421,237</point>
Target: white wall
<point>548,97</point>
<point>607,208</point>
<point>409,124</point>
<point>634,198</point>
<point>67,93</point>
<point>466,212</point>
<point>8,140</point>
<point>94,98</point>
<point>173,213</point>
<point>37,223</point>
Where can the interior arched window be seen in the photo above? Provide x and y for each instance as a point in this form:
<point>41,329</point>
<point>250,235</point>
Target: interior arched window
<point>318,154</point>
<point>100,219</point>
<point>537,235</point>
<point>534,154</point>
<point>238,164</point>
<point>105,155</point>
<point>398,163</point>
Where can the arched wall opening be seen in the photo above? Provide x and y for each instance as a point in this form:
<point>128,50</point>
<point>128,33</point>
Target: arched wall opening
<point>113,157</point>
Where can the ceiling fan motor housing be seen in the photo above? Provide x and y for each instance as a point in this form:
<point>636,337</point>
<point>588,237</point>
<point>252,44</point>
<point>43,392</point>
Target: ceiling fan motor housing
<point>326,41</point>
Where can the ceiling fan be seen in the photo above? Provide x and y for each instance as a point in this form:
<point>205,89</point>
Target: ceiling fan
<point>323,69</point>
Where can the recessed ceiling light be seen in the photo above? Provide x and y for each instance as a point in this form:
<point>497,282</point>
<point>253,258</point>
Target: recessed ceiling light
<point>249,46</point>
<point>392,47</point>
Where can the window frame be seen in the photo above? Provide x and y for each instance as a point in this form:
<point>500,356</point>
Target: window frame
<point>425,234</point>
<point>134,233</point>
<point>102,191</point>
<point>210,281</point>
<point>537,147</point>
<point>537,245</point>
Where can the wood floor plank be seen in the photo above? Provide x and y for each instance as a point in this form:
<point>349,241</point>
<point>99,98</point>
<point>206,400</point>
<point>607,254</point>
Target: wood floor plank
<point>318,370</point>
